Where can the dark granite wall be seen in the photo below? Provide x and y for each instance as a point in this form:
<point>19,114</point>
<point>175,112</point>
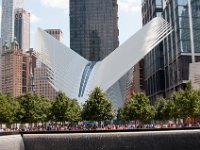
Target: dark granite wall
<point>137,140</point>
<point>164,140</point>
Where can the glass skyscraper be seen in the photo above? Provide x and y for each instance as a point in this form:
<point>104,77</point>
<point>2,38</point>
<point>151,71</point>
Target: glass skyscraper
<point>179,49</point>
<point>22,28</point>
<point>7,19</point>
<point>182,47</point>
<point>94,28</point>
<point>7,25</point>
<point>153,61</point>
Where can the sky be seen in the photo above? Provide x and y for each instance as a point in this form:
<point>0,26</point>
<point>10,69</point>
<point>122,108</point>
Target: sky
<point>48,14</point>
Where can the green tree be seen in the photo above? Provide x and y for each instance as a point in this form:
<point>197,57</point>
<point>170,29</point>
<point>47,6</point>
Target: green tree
<point>65,109</point>
<point>196,112</point>
<point>186,103</point>
<point>8,109</point>
<point>119,114</point>
<point>59,107</point>
<point>43,108</point>
<point>138,107</point>
<point>30,108</point>
<point>73,113</point>
<point>98,107</point>
<point>14,107</point>
<point>163,109</point>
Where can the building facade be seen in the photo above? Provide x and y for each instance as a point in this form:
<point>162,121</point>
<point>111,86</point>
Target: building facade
<point>56,33</point>
<point>94,28</point>
<point>7,19</point>
<point>11,60</point>
<point>182,47</point>
<point>138,78</point>
<point>43,78</point>
<point>15,69</point>
<point>153,62</point>
<point>7,23</point>
<point>43,84</point>
<point>167,66</point>
<point>22,28</point>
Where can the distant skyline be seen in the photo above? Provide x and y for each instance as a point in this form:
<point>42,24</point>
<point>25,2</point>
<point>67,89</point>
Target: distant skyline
<point>48,14</point>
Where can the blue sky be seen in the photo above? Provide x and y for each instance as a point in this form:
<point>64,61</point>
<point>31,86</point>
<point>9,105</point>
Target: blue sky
<point>55,14</point>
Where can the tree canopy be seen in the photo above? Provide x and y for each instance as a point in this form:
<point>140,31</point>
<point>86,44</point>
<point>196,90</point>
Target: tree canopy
<point>65,109</point>
<point>98,107</point>
<point>186,103</point>
<point>138,107</point>
<point>163,109</point>
<point>8,109</point>
<point>33,108</point>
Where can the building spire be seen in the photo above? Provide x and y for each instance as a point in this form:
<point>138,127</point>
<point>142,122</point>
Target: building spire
<point>5,46</point>
<point>15,44</point>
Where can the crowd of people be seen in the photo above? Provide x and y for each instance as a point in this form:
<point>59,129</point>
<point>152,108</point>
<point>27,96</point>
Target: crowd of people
<point>95,126</point>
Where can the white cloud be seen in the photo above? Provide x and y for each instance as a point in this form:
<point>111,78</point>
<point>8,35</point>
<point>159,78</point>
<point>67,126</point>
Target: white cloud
<point>63,4</point>
<point>130,5</point>
<point>34,18</point>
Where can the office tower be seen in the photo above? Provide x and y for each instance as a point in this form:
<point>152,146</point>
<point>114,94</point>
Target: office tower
<point>15,69</point>
<point>44,74</point>
<point>56,33</point>
<point>11,69</point>
<point>44,85</point>
<point>138,78</point>
<point>7,19</point>
<point>183,46</point>
<point>94,28</point>
<point>0,60</point>
<point>7,22</point>
<point>178,50</point>
<point>22,28</point>
<point>154,80</point>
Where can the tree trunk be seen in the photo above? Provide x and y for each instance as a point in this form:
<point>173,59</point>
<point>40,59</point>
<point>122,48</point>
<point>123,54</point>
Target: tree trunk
<point>99,124</point>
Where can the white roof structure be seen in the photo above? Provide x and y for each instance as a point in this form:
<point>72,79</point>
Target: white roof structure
<point>77,76</point>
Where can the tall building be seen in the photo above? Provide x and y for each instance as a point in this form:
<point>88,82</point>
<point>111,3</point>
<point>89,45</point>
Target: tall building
<point>7,19</point>
<point>182,47</point>
<point>94,28</point>
<point>172,58</point>
<point>154,79</point>
<point>16,69</point>
<point>7,22</point>
<point>43,78</point>
<point>44,85</point>
<point>11,69</point>
<point>22,28</point>
<point>56,33</point>
<point>138,77</point>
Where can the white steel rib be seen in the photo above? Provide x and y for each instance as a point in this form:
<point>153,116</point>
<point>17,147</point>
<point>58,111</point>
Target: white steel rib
<point>128,54</point>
